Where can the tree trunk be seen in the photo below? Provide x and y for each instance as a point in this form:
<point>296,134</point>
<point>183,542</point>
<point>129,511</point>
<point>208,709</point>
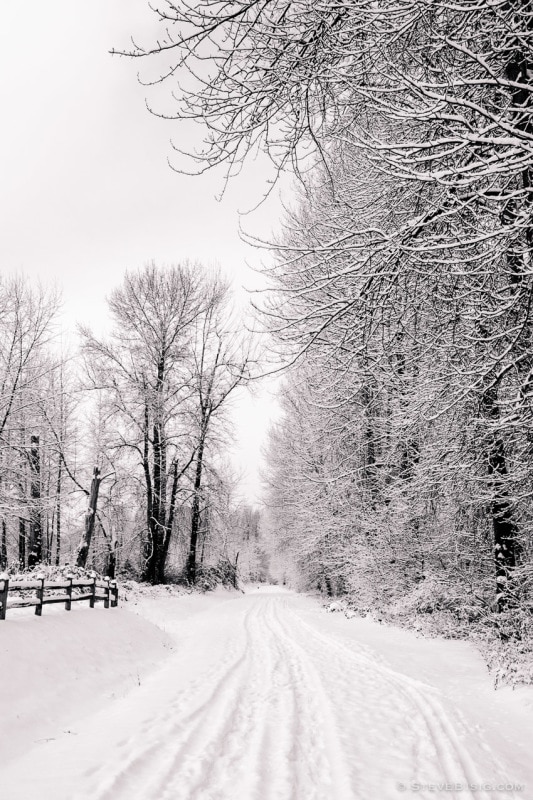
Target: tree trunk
<point>154,568</point>
<point>35,554</point>
<point>158,527</point>
<point>90,516</point>
<point>504,525</point>
<point>157,574</point>
<point>505,529</point>
<point>506,545</point>
<point>195,515</point>
<point>3,546</point>
<point>22,543</point>
<point>204,540</point>
<point>234,572</point>
<point>58,512</point>
<point>148,545</point>
<point>171,513</point>
<point>112,556</point>
<point>155,552</point>
<point>154,548</point>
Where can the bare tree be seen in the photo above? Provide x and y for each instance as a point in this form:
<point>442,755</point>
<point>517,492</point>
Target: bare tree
<point>144,371</point>
<point>413,263</point>
<point>27,367</point>
<point>222,361</point>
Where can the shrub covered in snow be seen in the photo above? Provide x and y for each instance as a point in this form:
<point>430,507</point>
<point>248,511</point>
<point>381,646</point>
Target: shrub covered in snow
<point>132,591</point>
<point>50,572</point>
<point>223,573</point>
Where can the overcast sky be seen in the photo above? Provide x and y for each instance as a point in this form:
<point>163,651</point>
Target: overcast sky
<point>86,191</point>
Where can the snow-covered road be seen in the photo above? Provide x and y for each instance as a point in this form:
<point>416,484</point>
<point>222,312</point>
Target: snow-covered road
<point>265,697</point>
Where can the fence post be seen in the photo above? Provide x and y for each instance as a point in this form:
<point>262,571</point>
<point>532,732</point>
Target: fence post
<point>4,590</point>
<point>107,593</point>
<point>114,594</point>
<point>40,596</point>
<point>68,601</point>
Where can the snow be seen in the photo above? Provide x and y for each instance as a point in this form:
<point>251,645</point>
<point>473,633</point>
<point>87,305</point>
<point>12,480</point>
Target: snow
<point>264,695</point>
<point>65,665</point>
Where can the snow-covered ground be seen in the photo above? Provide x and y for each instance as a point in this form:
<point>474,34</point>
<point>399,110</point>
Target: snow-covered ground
<point>251,696</point>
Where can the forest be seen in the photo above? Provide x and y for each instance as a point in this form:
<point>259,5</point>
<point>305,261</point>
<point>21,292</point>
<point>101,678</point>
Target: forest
<point>266,400</point>
<point>398,308</point>
<point>400,474</point>
<point>113,453</point>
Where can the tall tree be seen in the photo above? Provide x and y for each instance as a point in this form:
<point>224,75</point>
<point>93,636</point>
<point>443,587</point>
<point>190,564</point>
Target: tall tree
<point>222,361</point>
<point>27,366</point>
<point>142,368</point>
<point>429,104</point>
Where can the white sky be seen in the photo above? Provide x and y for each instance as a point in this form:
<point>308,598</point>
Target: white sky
<point>86,191</point>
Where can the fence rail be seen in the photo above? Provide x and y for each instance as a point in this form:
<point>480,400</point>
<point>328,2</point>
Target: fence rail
<point>40,592</point>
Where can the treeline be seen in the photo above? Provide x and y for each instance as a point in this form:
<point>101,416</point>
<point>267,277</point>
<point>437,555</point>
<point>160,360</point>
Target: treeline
<point>403,465</point>
<point>112,454</point>
<point>402,285</point>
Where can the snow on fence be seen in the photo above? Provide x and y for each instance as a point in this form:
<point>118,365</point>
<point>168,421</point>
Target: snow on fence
<point>40,592</point>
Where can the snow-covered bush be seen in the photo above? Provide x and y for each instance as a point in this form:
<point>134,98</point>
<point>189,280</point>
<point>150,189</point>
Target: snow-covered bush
<point>223,573</point>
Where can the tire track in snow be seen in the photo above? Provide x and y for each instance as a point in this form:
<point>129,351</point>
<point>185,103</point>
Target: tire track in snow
<point>258,732</point>
<point>375,726</point>
<point>294,741</point>
<point>264,750</point>
<point>456,764</point>
<point>185,761</point>
<point>249,762</point>
<point>287,713</point>
<point>142,756</point>
<point>317,724</point>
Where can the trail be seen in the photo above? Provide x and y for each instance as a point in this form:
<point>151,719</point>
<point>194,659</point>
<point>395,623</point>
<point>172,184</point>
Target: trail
<point>260,703</point>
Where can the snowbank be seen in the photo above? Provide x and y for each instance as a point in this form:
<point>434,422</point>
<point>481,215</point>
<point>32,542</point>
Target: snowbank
<point>58,668</point>
<point>92,707</point>
<point>454,667</point>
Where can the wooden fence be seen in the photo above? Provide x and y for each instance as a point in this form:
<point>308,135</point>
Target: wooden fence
<point>40,592</point>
